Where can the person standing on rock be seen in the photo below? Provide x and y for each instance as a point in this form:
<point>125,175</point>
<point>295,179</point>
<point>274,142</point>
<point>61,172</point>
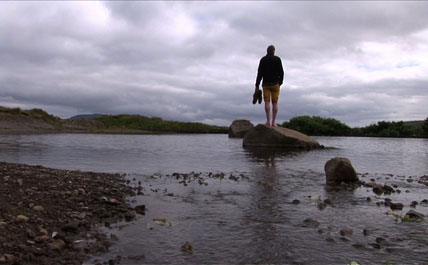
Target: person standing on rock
<point>271,72</point>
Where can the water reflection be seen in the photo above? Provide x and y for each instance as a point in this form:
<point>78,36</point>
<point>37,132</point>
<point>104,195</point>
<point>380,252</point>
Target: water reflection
<point>268,155</point>
<point>264,214</point>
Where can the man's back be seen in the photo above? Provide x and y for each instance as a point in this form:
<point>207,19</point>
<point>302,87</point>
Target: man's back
<point>270,70</point>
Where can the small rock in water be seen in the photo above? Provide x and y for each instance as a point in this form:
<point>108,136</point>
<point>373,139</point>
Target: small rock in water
<point>346,232</point>
<point>321,206</point>
<point>327,201</point>
<point>375,245</point>
<point>366,232</point>
<point>309,222</point>
<point>413,204</point>
<point>413,216</point>
<point>396,206</point>
<point>187,247</point>
<point>140,209</point>
<point>380,240</point>
<point>129,216</point>
<point>378,189</point>
<point>388,189</point>
<point>329,239</point>
<point>296,202</point>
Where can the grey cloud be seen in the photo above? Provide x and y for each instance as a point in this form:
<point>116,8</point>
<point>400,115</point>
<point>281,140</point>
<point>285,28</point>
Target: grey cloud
<point>54,58</point>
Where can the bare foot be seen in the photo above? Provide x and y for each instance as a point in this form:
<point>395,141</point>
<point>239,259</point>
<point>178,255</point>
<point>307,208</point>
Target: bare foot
<point>274,125</point>
<point>267,123</point>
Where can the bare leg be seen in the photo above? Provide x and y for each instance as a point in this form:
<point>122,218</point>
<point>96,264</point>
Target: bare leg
<point>267,110</point>
<point>274,113</point>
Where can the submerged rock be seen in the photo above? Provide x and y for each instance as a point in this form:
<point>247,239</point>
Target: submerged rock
<point>238,128</point>
<point>338,170</point>
<point>309,222</point>
<point>268,136</point>
<point>413,216</point>
<point>187,247</point>
<point>140,209</point>
<point>396,206</point>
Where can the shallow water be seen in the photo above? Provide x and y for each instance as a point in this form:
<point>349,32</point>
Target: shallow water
<point>249,218</point>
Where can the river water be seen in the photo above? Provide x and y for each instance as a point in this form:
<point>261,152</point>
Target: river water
<point>236,205</point>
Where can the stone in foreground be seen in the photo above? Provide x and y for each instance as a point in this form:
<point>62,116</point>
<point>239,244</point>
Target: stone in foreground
<point>338,170</point>
<point>239,128</point>
<point>267,136</point>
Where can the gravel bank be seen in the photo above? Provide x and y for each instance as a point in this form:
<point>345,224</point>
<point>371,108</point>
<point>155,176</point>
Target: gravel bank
<point>50,216</point>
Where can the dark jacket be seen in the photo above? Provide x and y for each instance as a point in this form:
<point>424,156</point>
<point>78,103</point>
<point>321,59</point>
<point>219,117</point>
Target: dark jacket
<point>270,70</point>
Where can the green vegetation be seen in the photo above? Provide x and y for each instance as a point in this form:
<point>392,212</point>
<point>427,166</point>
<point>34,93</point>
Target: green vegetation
<point>118,123</point>
<point>33,113</point>
<point>318,126</point>
<point>137,122</point>
<point>386,129</point>
<point>331,127</point>
<point>425,127</point>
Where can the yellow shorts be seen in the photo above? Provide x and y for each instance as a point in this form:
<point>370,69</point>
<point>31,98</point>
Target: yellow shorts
<point>271,92</point>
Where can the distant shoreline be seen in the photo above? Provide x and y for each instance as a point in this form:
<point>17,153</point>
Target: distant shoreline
<point>37,121</point>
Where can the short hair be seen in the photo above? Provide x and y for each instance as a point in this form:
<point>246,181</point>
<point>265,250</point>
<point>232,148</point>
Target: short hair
<point>271,49</point>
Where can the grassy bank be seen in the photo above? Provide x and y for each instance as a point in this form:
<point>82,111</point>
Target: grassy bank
<point>37,114</point>
<point>137,122</point>
<point>31,121</point>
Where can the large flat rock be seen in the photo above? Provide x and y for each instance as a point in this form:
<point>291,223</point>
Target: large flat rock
<point>267,136</point>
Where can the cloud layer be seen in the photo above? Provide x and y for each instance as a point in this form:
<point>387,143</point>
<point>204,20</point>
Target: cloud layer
<point>359,62</point>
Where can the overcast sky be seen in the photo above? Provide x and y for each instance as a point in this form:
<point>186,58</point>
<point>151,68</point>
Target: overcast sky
<point>358,62</point>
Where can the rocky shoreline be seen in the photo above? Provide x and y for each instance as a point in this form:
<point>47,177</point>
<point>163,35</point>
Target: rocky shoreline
<point>51,216</point>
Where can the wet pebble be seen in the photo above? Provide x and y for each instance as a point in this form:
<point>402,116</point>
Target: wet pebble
<point>366,232</point>
<point>396,206</point>
<point>7,259</point>
<point>327,201</point>
<point>359,246</point>
<point>295,201</point>
<point>57,244</point>
<point>187,247</point>
<point>375,245</point>
<point>30,233</point>
<point>413,216</point>
<point>321,206</point>
<point>346,232</point>
<point>140,209</point>
<point>22,218</point>
<point>38,208</point>
<point>329,239</point>
<point>309,222</point>
<point>380,240</point>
